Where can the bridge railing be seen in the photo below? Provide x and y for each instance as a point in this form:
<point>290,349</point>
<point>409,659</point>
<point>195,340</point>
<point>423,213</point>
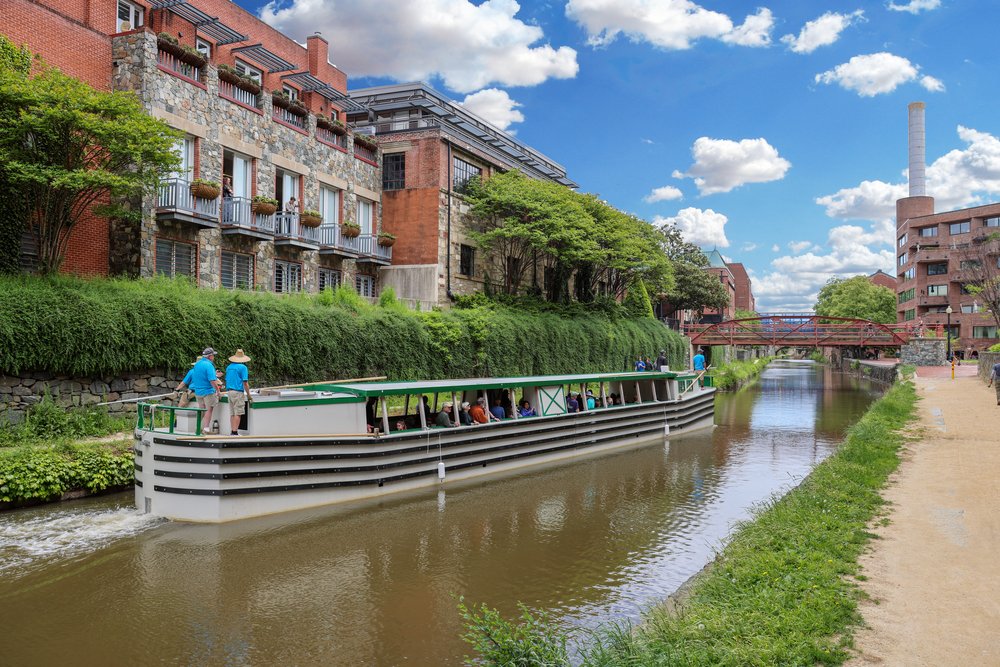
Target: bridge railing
<point>801,330</point>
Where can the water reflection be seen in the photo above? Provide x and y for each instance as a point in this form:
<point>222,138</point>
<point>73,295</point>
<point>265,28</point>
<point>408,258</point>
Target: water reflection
<point>375,583</point>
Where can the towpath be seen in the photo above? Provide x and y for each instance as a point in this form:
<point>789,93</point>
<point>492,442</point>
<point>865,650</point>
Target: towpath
<point>934,576</point>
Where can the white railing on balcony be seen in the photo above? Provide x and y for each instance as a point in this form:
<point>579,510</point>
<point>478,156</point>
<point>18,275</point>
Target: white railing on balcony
<point>237,212</point>
<point>233,92</point>
<point>331,138</point>
<point>365,152</point>
<point>286,116</point>
<point>175,195</point>
<point>287,225</point>
<point>368,246</point>
<point>174,64</point>
<point>330,237</point>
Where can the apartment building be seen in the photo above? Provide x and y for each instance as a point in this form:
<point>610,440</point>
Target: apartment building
<point>260,113</point>
<point>430,148</point>
<point>882,279</point>
<point>743,298</point>
<point>718,267</point>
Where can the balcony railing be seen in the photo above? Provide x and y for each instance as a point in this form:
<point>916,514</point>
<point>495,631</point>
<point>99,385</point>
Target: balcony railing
<point>175,195</point>
<point>174,64</point>
<point>288,226</point>
<point>368,246</point>
<point>365,152</point>
<point>237,213</point>
<point>331,138</point>
<point>232,92</point>
<point>289,118</point>
<point>330,237</point>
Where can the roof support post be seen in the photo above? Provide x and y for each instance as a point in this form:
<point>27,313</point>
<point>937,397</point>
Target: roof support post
<point>385,414</point>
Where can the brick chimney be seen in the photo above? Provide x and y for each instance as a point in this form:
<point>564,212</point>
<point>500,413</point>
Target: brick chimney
<point>318,51</point>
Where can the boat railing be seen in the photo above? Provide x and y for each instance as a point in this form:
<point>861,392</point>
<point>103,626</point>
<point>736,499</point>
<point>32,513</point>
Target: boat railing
<point>168,414</point>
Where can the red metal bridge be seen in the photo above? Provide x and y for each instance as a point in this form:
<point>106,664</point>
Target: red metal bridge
<point>800,330</point>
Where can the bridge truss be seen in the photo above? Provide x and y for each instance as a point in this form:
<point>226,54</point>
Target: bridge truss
<point>800,330</point>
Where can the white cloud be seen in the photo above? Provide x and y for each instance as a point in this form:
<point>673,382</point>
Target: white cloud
<point>775,248</point>
<point>822,31</point>
<point>494,106</point>
<point>722,164</point>
<point>875,74</point>
<point>666,193</point>
<point>958,179</point>
<point>798,246</point>
<point>703,227</point>
<point>668,24</point>
<point>748,247</point>
<point>915,6</point>
<point>647,141</point>
<point>468,46</point>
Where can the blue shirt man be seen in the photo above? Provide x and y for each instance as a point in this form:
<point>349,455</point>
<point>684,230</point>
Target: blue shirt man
<point>698,361</point>
<point>498,411</point>
<point>236,375</point>
<point>203,377</point>
<point>640,365</point>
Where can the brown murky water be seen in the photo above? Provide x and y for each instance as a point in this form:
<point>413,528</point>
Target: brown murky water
<point>93,582</point>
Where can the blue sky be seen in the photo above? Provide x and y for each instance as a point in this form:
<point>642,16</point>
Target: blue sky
<point>773,131</point>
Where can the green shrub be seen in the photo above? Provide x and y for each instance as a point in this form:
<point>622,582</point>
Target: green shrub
<point>45,473</point>
<point>47,422</point>
<point>533,642</point>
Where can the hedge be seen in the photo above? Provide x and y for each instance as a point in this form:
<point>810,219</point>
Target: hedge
<point>104,327</point>
<point>35,473</point>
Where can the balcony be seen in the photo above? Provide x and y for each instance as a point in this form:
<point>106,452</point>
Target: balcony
<point>365,153</point>
<point>328,137</point>
<point>288,118</point>
<point>288,230</point>
<point>174,65</point>
<point>238,95</point>
<point>932,300</point>
<point>239,218</point>
<point>931,255</point>
<point>174,201</point>
<point>332,242</point>
<point>371,251</point>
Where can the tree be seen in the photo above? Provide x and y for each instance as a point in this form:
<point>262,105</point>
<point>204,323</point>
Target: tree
<point>637,302</point>
<point>696,289</point>
<point>857,297</point>
<point>980,269</point>
<point>66,149</point>
<point>16,63</point>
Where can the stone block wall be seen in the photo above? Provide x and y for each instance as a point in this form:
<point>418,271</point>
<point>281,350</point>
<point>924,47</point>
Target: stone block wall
<point>986,361</point>
<point>924,352</point>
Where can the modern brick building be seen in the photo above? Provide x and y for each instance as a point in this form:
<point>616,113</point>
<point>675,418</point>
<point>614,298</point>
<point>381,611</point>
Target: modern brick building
<point>743,298</point>
<point>718,267</point>
<point>936,254</point>
<point>431,147</point>
<point>265,144</point>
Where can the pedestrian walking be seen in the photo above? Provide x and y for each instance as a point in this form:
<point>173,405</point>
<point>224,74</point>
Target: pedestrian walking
<point>994,376</point>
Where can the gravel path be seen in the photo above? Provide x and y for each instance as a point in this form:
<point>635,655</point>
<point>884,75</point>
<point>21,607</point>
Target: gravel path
<point>934,576</point>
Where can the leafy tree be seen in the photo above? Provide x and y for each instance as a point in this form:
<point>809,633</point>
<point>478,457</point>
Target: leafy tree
<point>980,267</point>
<point>637,302</point>
<point>696,289</point>
<point>15,62</point>
<point>857,297</point>
<point>66,149</point>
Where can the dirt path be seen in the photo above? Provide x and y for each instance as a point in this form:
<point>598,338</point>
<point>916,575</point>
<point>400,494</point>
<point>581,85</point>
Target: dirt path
<point>934,577</point>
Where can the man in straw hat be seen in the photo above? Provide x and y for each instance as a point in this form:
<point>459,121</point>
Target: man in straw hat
<point>238,387</point>
<point>206,386</point>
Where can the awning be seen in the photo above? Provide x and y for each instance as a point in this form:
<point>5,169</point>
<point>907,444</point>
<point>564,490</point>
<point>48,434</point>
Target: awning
<point>310,84</point>
<point>208,25</point>
<point>270,61</point>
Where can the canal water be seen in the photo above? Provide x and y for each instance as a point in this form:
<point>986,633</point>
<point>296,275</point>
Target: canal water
<point>93,582</point>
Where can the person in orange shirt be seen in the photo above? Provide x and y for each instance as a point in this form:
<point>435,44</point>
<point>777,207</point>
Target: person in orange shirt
<point>479,413</point>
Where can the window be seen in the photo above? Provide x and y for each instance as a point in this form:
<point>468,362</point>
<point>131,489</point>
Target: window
<point>328,278</point>
<point>968,308</point>
<point>287,277</point>
<point>984,332</point>
<point>928,231</point>
<point>329,205</point>
<point>203,47</point>
<point>175,258</point>
<point>959,227</point>
<point>938,269</point>
<point>970,265</point>
<point>286,186</point>
<point>910,273</point>
<point>463,171</point>
<point>467,261</point>
<point>240,169</point>
<point>901,241</point>
<point>394,171</point>
<point>248,70</point>
<point>184,149</point>
<point>910,314</point>
<point>902,259</point>
<point>937,290</point>
<point>29,250</point>
<point>129,16</point>
<point>237,270</point>
<point>937,309</point>
<point>365,284</point>
<point>365,209</point>
<point>906,295</point>
<point>292,93</point>
<point>991,222</point>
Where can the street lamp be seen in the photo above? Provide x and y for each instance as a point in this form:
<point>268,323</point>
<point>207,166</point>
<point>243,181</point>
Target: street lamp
<point>947,332</point>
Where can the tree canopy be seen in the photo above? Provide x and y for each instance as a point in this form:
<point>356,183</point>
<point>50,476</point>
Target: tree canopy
<point>66,149</point>
<point>980,267</point>
<point>857,297</point>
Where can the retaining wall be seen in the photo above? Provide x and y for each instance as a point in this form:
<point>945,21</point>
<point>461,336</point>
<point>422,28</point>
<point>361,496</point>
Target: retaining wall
<point>986,361</point>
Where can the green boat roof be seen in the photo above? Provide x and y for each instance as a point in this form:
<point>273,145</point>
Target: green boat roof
<point>472,384</point>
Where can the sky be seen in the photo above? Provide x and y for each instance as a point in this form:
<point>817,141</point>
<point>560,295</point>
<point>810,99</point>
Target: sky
<point>775,132</point>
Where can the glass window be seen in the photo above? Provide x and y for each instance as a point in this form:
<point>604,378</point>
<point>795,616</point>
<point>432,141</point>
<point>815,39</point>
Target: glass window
<point>237,270</point>
<point>365,209</point>
<point>901,241</point>
<point>292,93</point>
<point>365,284</point>
<point>175,258</point>
<point>184,149</point>
<point>968,308</point>
<point>970,265</point>
<point>929,231</point>
<point>902,259</point>
<point>287,277</point>
<point>984,332</point>
<point>910,273</point>
<point>906,295</point>
<point>938,269</point>
<point>248,70</point>
<point>329,205</point>
<point>467,262</point>
<point>937,290</point>
<point>203,47</point>
<point>910,314</point>
<point>394,171</point>
<point>129,16</point>
<point>991,222</point>
<point>959,227</point>
<point>463,171</point>
<point>328,278</point>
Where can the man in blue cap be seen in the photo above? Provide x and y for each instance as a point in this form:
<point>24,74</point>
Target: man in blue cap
<point>205,385</point>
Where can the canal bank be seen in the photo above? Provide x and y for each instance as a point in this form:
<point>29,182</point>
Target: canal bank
<point>932,576</point>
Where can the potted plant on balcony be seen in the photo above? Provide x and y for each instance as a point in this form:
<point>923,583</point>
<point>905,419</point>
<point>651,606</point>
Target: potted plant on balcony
<point>366,141</point>
<point>205,189</point>
<point>231,76</point>
<point>310,218</point>
<point>296,107</point>
<point>350,230</point>
<point>263,205</point>
<point>280,99</point>
<point>168,44</point>
<point>385,239</point>
<point>192,57</point>
<point>331,124</point>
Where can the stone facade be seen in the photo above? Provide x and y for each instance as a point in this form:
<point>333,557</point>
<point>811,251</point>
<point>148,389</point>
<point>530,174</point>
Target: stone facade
<point>924,352</point>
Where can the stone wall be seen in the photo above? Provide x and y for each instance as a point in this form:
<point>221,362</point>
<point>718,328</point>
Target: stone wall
<point>986,361</point>
<point>924,352</point>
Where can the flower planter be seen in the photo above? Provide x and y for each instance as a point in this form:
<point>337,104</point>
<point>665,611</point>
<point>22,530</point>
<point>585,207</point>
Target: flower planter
<point>386,241</point>
<point>310,220</point>
<point>230,76</point>
<point>263,208</point>
<point>205,190</point>
<point>281,102</point>
<point>176,50</point>
<point>297,109</point>
<point>350,231</point>
<point>327,124</point>
<point>192,58</point>
<point>370,144</point>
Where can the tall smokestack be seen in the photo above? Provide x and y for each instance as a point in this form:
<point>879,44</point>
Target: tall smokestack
<point>918,152</point>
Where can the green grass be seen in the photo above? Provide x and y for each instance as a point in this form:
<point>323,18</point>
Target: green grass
<point>47,424</point>
<point>783,591</point>
<point>736,373</point>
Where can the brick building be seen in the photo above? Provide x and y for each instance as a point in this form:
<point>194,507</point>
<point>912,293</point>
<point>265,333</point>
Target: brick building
<point>269,145</point>
<point>718,267</point>
<point>431,147</point>
<point>882,279</point>
<point>743,298</point>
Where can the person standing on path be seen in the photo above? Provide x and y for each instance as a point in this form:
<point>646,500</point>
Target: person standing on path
<point>994,376</point>
<point>238,388</point>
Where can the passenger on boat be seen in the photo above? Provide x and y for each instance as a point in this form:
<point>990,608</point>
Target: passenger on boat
<point>506,402</point>
<point>497,411</point>
<point>186,395</point>
<point>237,388</point>
<point>428,413</point>
<point>661,360</point>
<point>479,413</point>
<point>648,363</point>
<point>464,418</point>
<point>613,399</point>
<point>370,418</point>
<point>205,384</point>
<point>572,405</point>
<point>526,409</point>
<point>444,418</point>
<point>640,365</point>
<point>591,402</point>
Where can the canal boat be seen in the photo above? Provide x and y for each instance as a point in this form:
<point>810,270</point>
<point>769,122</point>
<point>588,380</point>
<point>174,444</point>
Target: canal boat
<point>314,445</point>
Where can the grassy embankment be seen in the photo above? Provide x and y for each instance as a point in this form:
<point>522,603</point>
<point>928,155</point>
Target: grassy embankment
<point>102,328</point>
<point>781,592</point>
<point>737,373</point>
